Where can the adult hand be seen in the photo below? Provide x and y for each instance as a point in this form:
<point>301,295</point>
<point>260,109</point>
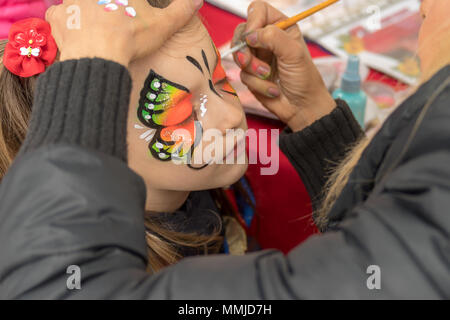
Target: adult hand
<point>278,69</point>
<point>114,35</point>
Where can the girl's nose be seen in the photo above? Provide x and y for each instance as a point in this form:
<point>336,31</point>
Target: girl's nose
<point>225,115</point>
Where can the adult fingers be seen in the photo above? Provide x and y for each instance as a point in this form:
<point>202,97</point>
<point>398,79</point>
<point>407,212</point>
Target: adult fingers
<point>260,86</point>
<point>154,26</point>
<point>177,15</point>
<point>246,59</point>
<point>271,97</point>
<point>277,41</point>
<point>260,14</point>
<point>50,13</point>
<point>243,56</point>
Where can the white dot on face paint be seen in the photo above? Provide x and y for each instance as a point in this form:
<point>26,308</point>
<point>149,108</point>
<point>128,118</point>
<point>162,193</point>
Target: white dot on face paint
<point>157,84</point>
<point>147,117</point>
<point>162,155</point>
<point>159,145</point>
<point>151,106</point>
<point>152,96</point>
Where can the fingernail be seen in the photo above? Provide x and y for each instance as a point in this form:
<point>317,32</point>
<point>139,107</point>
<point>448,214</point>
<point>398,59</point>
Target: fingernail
<point>246,33</point>
<point>273,92</point>
<point>252,38</point>
<point>242,58</point>
<point>263,72</point>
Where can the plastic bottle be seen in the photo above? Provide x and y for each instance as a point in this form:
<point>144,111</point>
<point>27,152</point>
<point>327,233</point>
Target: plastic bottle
<point>350,90</point>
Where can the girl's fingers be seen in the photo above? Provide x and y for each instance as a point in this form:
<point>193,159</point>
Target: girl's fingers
<point>265,88</point>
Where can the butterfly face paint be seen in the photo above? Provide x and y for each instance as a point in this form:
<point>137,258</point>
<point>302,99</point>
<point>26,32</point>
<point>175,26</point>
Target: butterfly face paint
<point>167,107</point>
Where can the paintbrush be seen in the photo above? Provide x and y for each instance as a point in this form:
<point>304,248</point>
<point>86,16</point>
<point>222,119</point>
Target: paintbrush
<point>287,23</point>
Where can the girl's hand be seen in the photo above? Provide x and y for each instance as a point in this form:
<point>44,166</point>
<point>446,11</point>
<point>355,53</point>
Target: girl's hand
<point>278,69</point>
<point>114,35</point>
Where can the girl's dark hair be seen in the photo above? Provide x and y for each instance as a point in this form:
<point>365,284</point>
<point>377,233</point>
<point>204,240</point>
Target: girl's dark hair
<point>159,3</point>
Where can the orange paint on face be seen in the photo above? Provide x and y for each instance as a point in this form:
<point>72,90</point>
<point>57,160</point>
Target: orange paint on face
<point>180,134</point>
<point>227,87</point>
<point>179,112</point>
<point>219,73</point>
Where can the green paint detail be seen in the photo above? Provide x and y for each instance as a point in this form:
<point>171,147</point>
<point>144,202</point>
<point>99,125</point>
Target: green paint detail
<point>160,107</point>
<point>154,147</point>
<point>154,86</point>
<point>162,97</point>
<point>158,118</point>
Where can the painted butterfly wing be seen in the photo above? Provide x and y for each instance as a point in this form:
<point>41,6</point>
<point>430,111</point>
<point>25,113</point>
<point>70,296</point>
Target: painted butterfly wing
<point>163,103</point>
<point>167,107</point>
<point>176,142</point>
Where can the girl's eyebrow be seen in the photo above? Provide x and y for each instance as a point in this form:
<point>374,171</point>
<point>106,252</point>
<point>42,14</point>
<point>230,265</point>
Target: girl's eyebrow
<point>194,62</point>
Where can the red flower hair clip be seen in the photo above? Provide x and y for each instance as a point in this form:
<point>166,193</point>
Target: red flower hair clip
<point>31,48</point>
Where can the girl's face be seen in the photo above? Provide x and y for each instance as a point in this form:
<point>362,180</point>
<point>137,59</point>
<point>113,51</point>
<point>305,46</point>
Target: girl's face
<point>181,112</point>
<point>434,35</point>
